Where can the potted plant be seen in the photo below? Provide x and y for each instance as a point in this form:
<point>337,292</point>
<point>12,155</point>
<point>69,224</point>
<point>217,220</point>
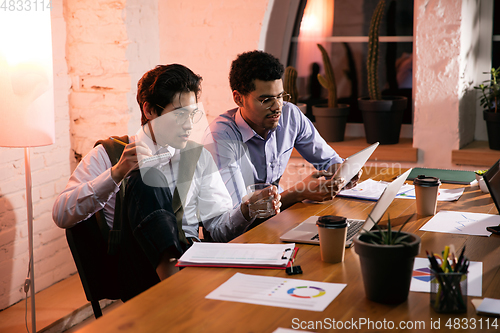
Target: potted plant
<point>330,119</point>
<point>290,86</point>
<point>382,115</point>
<point>386,258</point>
<point>490,90</point>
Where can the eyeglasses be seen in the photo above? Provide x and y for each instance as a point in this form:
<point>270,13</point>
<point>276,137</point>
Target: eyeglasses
<point>268,102</point>
<point>182,114</point>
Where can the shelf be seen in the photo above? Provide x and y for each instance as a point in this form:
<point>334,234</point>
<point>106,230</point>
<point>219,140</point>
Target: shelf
<point>400,152</point>
<point>476,153</point>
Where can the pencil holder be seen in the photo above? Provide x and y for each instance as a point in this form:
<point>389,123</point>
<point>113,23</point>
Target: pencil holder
<point>449,292</point>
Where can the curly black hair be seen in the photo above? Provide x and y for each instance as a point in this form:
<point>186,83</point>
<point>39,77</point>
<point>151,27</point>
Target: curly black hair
<point>159,86</point>
<point>253,65</point>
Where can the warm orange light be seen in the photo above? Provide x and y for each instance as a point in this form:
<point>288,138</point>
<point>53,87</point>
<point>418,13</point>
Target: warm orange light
<point>26,79</point>
<point>317,20</point>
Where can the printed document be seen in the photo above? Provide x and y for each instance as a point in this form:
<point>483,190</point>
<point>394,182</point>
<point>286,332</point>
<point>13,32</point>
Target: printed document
<point>276,291</point>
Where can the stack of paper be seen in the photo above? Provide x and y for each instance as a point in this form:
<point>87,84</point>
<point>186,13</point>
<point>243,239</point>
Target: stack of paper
<point>372,190</point>
<point>238,255</point>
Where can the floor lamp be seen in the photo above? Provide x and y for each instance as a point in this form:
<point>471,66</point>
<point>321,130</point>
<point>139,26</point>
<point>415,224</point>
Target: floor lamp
<point>26,98</point>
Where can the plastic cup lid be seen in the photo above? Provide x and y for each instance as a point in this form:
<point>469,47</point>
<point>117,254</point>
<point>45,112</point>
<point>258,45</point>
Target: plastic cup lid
<point>332,222</point>
<point>425,181</point>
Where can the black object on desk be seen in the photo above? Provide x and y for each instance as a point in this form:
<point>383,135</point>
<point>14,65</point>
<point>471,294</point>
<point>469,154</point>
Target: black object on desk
<point>492,181</point>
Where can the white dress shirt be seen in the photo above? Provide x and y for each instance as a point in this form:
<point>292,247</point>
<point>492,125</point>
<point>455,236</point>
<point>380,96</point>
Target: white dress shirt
<point>91,188</point>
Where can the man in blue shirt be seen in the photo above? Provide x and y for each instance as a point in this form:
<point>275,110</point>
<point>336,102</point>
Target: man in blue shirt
<point>253,143</point>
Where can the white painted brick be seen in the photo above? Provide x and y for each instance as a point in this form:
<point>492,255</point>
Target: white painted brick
<point>43,210</point>
<point>7,171</point>
<point>106,83</point>
<point>7,238</point>
<point>55,158</point>
<point>43,176</point>
<point>60,184</point>
<point>46,191</point>
<point>11,154</point>
<point>51,234</point>
<point>13,185</point>
<point>46,258</point>
<point>19,248</point>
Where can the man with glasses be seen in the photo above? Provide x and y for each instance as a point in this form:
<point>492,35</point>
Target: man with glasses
<point>253,143</point>
<point>153,232</point>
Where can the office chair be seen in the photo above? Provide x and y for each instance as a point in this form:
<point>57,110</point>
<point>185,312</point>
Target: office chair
<point>98,271</point>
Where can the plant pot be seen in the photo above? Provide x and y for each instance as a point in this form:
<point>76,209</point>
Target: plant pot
<point>331,122</point>
<point>302,107</point>
<point>493,127</point>
<point>482,184</point>
<point>387,269</point>
<point>383,118</point>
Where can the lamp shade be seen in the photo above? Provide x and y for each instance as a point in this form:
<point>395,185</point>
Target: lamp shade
<point>26,79</point>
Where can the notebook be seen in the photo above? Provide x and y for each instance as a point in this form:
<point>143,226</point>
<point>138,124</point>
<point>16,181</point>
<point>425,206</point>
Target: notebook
<point>307,231</point>
<point>446,176</point>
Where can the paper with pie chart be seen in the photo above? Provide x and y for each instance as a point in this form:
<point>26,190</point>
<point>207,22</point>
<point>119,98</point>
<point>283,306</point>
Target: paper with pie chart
<point>421,277</point>
<point>279,292</point>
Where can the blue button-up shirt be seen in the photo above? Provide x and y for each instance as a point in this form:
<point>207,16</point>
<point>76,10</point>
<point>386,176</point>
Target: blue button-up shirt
<point>245,158</point>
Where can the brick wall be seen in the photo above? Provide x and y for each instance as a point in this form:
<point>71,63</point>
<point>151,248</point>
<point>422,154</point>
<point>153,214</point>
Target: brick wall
<point>100,50</point>
<point>207,36</point>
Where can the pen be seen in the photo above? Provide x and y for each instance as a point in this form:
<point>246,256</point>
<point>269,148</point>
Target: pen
<point>445,258</point>
<point>118,141</point>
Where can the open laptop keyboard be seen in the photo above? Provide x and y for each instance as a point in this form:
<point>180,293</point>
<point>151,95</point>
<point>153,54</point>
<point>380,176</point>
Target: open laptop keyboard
<point>353,226</point>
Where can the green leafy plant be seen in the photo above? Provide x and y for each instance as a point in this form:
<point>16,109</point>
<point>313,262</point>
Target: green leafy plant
<point>480,172</point>
<point>490,90</point>
<point>328,81</point>
<point>387,236</point>
<point>290,84</point>
<point>372,59</point>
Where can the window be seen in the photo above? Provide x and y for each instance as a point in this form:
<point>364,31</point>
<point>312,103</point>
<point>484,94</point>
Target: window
<point>495,49</point>
<point>347,43</point>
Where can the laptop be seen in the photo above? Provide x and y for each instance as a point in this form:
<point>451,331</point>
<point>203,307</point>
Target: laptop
<point>492,181</point>
<point>307,231</point>
<point>351,165</point>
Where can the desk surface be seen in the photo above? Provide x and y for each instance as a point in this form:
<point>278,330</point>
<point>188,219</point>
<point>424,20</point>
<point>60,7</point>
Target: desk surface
<point>178,304</point>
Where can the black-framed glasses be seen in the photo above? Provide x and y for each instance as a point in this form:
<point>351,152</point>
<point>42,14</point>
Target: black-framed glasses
<point>182,114</point>
<point>268,102</point>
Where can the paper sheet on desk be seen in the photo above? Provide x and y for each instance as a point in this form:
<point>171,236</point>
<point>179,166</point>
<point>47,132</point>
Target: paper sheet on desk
<point>276,291</point>
<point>461,223</point>
<point>421,277</point>
<point>372,190</point>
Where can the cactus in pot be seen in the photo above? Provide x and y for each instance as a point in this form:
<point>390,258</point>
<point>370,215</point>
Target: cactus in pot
<point>290,84</point>
<point>382,116</point>
<point>373,52</point>
<point>331,119</point>
<point>328,81</point>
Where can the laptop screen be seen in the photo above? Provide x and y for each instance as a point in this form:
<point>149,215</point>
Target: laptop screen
<point>492,180</point>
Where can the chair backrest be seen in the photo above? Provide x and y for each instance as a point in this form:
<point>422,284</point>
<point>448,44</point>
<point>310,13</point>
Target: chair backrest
<point>88,241</point>
<point>97,269</point>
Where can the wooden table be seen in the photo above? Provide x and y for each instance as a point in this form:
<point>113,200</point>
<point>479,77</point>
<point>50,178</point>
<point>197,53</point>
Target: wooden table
<point>178,304</point>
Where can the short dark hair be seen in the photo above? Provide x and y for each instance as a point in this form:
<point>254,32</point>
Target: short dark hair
<point>159,86</point>
<point>253,65</point>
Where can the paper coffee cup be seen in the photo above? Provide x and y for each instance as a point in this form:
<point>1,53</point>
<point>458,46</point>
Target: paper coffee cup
<point>426,192</point>
<point>332,232</point>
